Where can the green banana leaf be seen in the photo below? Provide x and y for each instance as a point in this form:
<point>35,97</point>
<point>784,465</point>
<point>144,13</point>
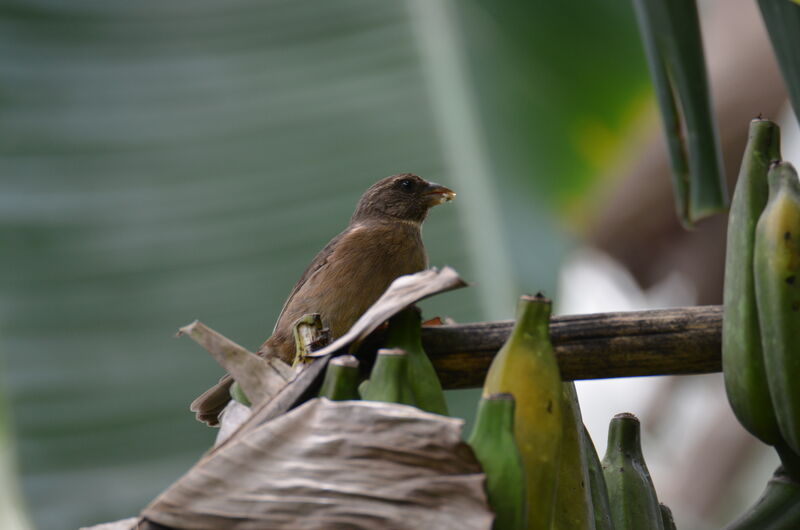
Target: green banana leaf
<point>170,161</point>
<point>783,25</point>
<point>671,34</point>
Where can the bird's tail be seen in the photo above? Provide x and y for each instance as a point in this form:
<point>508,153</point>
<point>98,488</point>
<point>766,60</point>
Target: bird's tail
<point>210,403</point>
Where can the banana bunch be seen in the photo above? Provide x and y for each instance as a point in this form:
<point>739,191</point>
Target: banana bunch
<point>761,318</point>
<point>526,368</point>
<point>402,372</point>
<point>492,440</point>
<point>405,333</point>
<point>388,380</point>
<point>632,497</point>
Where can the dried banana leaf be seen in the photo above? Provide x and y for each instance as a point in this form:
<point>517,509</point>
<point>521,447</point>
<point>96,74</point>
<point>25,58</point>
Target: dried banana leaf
<point>260,378</point>
<point>326,464</point>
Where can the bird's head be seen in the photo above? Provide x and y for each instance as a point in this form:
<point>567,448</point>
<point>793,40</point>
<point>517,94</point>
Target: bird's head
<point>406,197</point>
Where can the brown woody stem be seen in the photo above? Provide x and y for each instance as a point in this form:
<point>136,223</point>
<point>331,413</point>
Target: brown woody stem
<point>594,346</point>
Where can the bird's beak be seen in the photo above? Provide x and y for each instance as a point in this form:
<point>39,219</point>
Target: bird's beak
<point>438,194</point>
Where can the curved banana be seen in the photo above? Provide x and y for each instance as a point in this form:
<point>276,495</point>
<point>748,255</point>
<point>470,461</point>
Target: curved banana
<point>526,367</point>
<point>742,357</point>
<point>573,505</point>
<point>388,380</point>
<point>492,439</point>
<point>777,278</point>
<point>405,333</point>
<point>597,485</point>
<point>633,500</point>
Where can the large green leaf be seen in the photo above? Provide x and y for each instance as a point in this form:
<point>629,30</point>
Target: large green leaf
<point>170,161</point>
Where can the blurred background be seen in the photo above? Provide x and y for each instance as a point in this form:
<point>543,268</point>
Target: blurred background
<point>166,161</point>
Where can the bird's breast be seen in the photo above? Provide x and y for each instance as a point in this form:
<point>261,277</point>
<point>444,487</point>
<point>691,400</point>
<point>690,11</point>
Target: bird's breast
<point>365,261</point>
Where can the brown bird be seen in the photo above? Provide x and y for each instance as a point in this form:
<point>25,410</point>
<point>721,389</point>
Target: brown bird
<point>382,241</point>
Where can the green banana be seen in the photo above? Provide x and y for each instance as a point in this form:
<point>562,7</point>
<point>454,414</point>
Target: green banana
<point>777,278</point>
<point>526,367</point>
<point>405,333</point>
<point>666,517</point>
<point>341,379</point>
<point>492,440</point>
<point>634,505</point>
<point>778,508</point>
<point>742,357</point>
<point>597,486</point>
<point>388,380</point>
<point>573,504</point>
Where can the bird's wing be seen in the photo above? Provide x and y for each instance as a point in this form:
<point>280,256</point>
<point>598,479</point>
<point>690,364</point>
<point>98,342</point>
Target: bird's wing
<point>319,263</point>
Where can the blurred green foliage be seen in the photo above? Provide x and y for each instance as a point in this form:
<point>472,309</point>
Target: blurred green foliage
<point>167,161</point>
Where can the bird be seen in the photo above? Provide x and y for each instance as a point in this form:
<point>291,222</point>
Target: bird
<point>382,241</point>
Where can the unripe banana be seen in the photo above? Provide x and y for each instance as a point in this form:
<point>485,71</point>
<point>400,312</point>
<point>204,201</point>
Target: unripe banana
<point>526,367</point>
<point>597,485</point>
<point>388,380</point>
<point>778,508</point>
<point>742,357</point>
<point>492,439</point>
<point>573,505</point>
<point>341,379</point>
<point>634,505</point>
<point>405,333</point>
<point>777,279</point>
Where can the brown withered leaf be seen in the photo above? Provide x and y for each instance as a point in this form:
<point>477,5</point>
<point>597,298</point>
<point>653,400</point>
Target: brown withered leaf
<point>328,465</point>
<point>259,378</point>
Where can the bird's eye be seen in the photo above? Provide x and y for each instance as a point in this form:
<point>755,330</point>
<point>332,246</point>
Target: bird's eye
<point>407,184</point>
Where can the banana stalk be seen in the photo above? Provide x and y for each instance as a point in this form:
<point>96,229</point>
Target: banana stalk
<point>777,280</point>
<point>742,356</point>
<point>573,505</point>
<point>405,333</point>
<point>388,380</point>
<point>341,379</point>
<point>492,440</point>
<point>597,485</point>
<point>778,508</point>
<point>633,500</point>
<point>526,367</point>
